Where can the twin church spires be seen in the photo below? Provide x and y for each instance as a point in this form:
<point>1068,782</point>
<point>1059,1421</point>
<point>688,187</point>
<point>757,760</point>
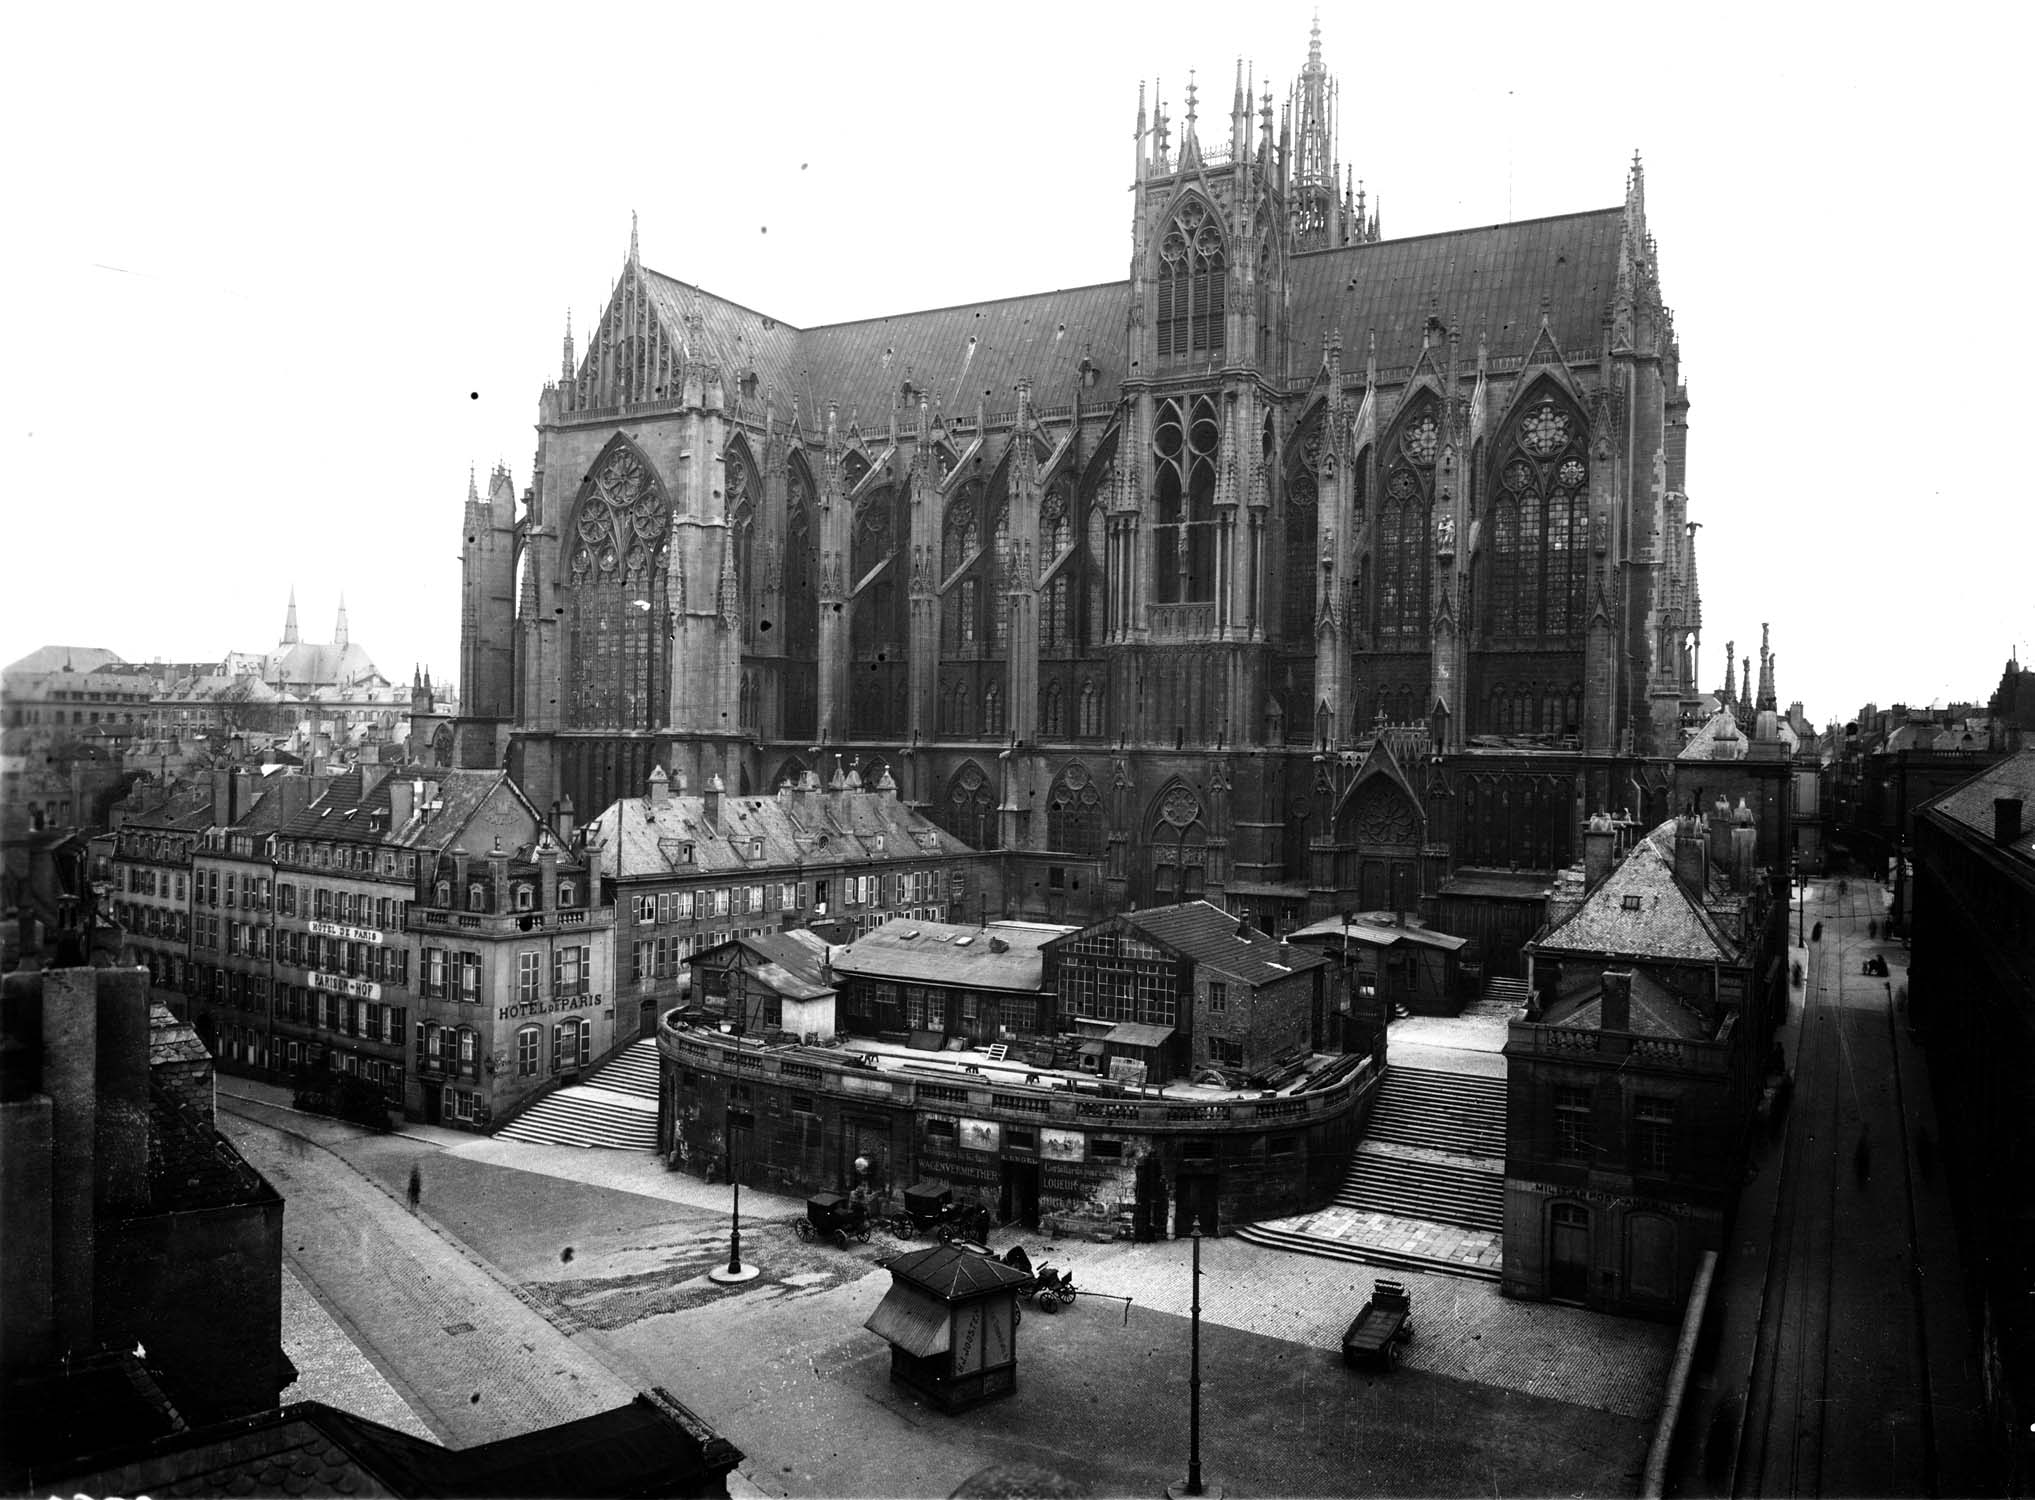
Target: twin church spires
<point>290,622</point>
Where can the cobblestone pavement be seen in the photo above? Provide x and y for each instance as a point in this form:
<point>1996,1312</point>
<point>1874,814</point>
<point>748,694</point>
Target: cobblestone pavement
<point>1466,1328</point>
<point>464,1352</point>
<point>330,1368</point>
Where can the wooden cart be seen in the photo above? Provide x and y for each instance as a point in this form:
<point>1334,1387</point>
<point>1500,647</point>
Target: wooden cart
<point>1385,1323</point>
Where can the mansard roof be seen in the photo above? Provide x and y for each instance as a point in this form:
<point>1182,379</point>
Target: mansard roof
<point>637,838</point>
<point>1490,281</point>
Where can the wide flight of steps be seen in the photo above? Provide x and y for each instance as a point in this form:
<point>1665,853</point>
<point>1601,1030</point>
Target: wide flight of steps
<point>1433,1154</point>
<point>615,1108</point>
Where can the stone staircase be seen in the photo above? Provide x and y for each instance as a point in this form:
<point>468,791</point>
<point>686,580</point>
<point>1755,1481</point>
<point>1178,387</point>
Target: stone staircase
<point>616,1108</point>
<point>1502,1000</point>
<point>1428,1175</point>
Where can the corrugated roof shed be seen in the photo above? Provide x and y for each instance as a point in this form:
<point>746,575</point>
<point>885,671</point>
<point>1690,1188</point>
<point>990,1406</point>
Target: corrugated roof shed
<point>912,951</point>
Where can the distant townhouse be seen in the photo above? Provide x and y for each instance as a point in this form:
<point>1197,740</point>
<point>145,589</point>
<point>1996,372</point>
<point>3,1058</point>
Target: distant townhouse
<point>689,872</point>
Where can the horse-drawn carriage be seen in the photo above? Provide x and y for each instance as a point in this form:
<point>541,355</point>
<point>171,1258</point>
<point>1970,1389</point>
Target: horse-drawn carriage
<point>834,1217</point>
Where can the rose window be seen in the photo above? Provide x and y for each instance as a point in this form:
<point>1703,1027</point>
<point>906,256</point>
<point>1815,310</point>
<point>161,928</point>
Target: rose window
<point>1422,440</point>
<point>1571,474</point>
<point>1544,432</point>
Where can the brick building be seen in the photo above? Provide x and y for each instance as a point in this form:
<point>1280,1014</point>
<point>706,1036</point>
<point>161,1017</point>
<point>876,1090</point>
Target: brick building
<point>1632,1082</point>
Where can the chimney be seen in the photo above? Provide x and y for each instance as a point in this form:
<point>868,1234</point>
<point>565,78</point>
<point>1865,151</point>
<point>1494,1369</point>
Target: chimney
<point>1600,846</point>
<point>402,802</point>
<point>498,877</point>
<point>1692,853</point>
<point>1744,852</point>
<point>2006,820</point>
<point>1617,1006</point>
<point>660,787</point>
<point>1720,833</point>
<point>562,818</point>
<point>711,802</point>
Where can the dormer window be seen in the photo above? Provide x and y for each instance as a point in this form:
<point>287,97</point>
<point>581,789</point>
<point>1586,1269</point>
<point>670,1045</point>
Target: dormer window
<point>444,894</point>
<point>525,898</point>
<point>566,893</point>
<point>476,896</point>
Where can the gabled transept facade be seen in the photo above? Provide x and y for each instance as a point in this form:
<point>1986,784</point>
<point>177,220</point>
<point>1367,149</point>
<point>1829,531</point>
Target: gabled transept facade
<point>1302,567</point>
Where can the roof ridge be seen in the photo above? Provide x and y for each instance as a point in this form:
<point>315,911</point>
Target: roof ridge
<point>1438,234</point>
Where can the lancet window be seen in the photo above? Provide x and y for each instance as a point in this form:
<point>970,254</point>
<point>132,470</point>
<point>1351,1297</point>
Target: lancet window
<point>1074,813</point>
<point>616,609</point>
<point>968,811</point>
<point>1404,521</point>
<point>1540,522</point>
<point>1089,724</point>
<point>1189,283</point>
<point>1302,553</point>
<point>1186,442</point>
<point>801,609</point>
<point>1178,839</point>
<point>879,627</point>
<point>743,496</point>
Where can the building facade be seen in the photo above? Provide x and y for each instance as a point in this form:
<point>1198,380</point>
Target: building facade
<point>1632,1081</point>
<point>1124,580</point>
<point>1973,1004</point>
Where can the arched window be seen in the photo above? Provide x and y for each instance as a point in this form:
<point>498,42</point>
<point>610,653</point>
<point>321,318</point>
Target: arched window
<point>1178,842</point>
<point>567,893</point>
<point>879,625</point>
<point>1074,813</point>
<point>957,545</point>
<point>1404,516</point>
<point>525,897</point>
<point>614,595</point>
<point>969,809</point>
<point>1090,723</point>
<point>1540,527</point>
<point>1054,525</point>
<point>1053,713</point>
<point>743,494</point>
<point>997,570</point>
<point>992,709</point>
<point>1302,553</point>
<point>1055,627</point>
<point>1189,283</point>
<point>1186,443</point>
<point>801,607</point>
<point>476,896</point>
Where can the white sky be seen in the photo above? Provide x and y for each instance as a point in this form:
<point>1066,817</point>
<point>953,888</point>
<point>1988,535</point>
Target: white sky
<point>279,274</point>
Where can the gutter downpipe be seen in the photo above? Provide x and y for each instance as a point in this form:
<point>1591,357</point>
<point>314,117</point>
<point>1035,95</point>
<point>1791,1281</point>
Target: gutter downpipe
<point>1652,1485</point>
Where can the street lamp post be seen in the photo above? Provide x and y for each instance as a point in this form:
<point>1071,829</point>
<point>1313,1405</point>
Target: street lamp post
<point>734,1271</point>
<point>1192,1484</point>
<point>1801,908</point>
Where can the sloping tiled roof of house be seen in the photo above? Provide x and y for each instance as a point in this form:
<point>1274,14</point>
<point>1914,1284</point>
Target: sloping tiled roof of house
<point>640,837</point>
<point>1972,803</point>
<point>1217,941</point>
<point>1642,910</point>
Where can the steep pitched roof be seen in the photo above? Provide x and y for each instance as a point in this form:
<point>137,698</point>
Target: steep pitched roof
<point>1654,1012</point>
<point>1661,919</point>
<point>1214,940</point>
<point>1488,280</point>
<point>637,838</point>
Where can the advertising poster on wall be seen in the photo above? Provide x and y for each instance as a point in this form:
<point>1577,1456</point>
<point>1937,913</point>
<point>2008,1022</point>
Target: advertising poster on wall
<point>981,1135</point>
<point>1062,1145</point>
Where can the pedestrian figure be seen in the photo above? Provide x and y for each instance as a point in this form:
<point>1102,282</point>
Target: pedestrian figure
<point>416,1186</point>
<point>1872,929</point>
<point>1890,992</point>
<point>1816,933</point>
<point>1861,1159</point>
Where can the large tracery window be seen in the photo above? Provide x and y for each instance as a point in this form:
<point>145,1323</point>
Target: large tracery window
<point>962,605</point>
<point>1404,516</point>
<point>1540,523</point>
<point>878,628</point>
<point>1074,813</point>
<point>1185,446</point>
<point>1190,283</point>
<point>744,494</point>
<point>616,608</point>
<point>969,809</point>
<point>1302,556</point>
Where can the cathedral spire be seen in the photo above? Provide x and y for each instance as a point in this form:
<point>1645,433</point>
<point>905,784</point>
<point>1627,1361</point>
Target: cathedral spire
<point>568,365</point>
<point>1140,137</point>
<point>1766,672</point>
<point>1730,669</point>
<point>290,619</point>
<point>339,625</point>
<point>635,260</point>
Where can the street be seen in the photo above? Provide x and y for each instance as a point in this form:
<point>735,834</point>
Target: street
<point>1841,1400</point>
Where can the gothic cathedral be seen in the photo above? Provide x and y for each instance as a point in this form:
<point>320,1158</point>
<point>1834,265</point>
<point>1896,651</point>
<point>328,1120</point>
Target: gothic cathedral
<point>1304,568</point>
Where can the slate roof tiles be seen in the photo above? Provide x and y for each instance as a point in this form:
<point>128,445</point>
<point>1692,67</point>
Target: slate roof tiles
<point>1211,937</point>
<point>1642,910</point>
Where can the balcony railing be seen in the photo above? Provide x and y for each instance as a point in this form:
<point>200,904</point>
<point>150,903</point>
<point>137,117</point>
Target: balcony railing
<point>817,1070</point>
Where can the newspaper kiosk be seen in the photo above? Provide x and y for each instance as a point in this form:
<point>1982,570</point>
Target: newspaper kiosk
<point>951,1319</point>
